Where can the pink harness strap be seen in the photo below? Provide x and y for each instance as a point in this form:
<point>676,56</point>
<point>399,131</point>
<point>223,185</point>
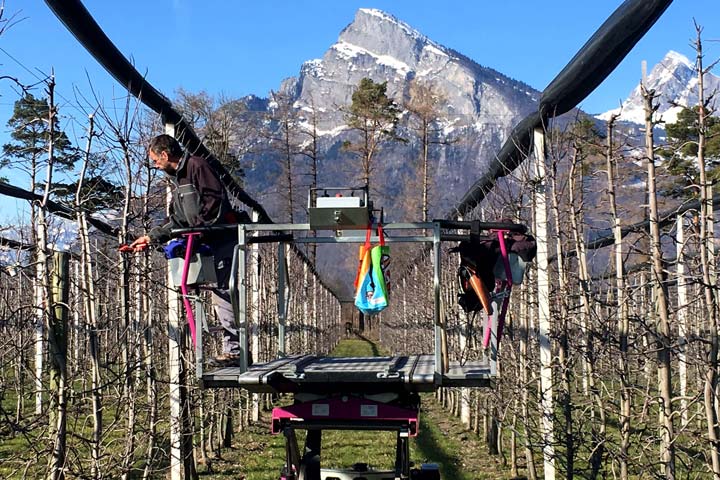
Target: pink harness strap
<point>507,291</point>
<point>184,287</point>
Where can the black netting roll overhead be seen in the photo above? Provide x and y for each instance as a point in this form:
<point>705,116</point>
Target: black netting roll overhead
<point>587,69</point>
<point>83,26</point>
<point>74,15</point>
<point>514,151</point>
<point>600,55</point>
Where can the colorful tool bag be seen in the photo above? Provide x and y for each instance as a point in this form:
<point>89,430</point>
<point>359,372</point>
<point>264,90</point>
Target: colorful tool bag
<point>372,279</point>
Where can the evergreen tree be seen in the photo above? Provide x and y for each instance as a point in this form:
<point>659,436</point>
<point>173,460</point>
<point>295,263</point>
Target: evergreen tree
<point>684,134</point>
<point>96,193</point>
<point>30,137</point>
<point>374,116</point>
<point>682,149</point>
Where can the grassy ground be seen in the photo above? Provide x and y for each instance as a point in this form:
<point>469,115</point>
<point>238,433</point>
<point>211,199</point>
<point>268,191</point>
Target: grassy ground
<point>257,455</point>
<point>460,454</point>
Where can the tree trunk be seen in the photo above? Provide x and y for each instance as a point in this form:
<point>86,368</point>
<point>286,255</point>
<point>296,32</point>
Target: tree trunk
<point>90,309</point>
<point>151,384</point>
<point>587,325</point>
<point>524,386</point>
<point>623,323</point>
<point>663,325</point>
<point>57,344</point>
<point>562,311</point>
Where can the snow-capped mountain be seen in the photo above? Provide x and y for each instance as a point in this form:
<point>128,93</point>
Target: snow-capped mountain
<point>479,109</point>
<point>675,80</point>
<point>381,47</point>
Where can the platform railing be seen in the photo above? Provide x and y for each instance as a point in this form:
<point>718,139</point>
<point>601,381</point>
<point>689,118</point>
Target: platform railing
<point>284,234</point>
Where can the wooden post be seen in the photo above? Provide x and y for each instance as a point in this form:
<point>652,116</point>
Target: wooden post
<point>682,316</point>
<point>543,286</point>
<point>39,293</point>
<point>254,318</point>
<point>57,344</point>
<point>182,466</point>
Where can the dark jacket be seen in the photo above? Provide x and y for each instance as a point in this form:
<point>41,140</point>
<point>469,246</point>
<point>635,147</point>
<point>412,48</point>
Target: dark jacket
<point>198,199</point>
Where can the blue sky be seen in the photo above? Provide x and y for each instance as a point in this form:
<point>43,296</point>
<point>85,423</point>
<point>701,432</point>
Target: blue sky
<point>247,47</point>
<point>244,47</point>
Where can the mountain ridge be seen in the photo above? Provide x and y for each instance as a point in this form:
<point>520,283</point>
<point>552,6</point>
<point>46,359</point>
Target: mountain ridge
<point>675,79</point>
<point>480,107</point>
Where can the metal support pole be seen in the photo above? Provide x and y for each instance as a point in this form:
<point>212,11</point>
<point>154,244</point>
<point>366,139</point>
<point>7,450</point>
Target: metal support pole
<point>242,317</point>
<point>253,323</point>
<point>543,286</point>
<point>402,455</point>
<point>493,347</point>
<point>292,454</point>
<point>439,366</point>
<point>281,300</point>
<point>465,393</point>
<point>200,324</point>
<point>310,461</point>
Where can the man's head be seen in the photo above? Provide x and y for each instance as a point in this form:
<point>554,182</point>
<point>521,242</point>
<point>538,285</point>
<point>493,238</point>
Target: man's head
<point>165,153</point>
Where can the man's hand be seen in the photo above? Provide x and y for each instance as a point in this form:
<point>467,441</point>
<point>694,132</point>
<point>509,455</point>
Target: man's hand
<point>140,244</point>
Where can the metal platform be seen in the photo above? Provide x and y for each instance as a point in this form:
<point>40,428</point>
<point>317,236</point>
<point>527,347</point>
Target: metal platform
<point>324,375</point>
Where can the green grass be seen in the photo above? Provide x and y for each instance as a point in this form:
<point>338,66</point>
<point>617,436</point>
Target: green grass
<point>460,454</point>
<point>256,454</point>
<point>442,440</point>
<point>25,447</point>
<point>356,347</point>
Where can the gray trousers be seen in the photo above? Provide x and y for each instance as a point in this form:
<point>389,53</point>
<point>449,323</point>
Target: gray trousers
<point>222,251</point>
<point>223,311</point>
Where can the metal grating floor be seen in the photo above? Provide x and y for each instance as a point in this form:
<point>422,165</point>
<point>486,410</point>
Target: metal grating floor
<point>309,373</point>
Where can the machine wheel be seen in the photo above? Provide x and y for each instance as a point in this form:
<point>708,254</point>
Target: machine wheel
<point>427,471</point>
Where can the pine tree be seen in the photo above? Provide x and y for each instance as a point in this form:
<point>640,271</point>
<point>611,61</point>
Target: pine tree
<point>684,133</point>
<point>30,137</point>
<point>374,116</point>
<point>681,152</point>
<point>96,192</point>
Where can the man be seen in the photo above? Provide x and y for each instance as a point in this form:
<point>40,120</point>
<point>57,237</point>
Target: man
<point>198,199</point>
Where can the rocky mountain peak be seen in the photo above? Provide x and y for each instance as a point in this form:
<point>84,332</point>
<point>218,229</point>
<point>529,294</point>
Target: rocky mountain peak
<point>673,57</point>
<point>377,45</point>
<point>376,32</point>
<point>479,107</point>
<point>675,81</point>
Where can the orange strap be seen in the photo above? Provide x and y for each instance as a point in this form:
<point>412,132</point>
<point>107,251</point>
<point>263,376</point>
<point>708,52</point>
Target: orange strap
<point>482,293</point>
<point>361,255</point>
